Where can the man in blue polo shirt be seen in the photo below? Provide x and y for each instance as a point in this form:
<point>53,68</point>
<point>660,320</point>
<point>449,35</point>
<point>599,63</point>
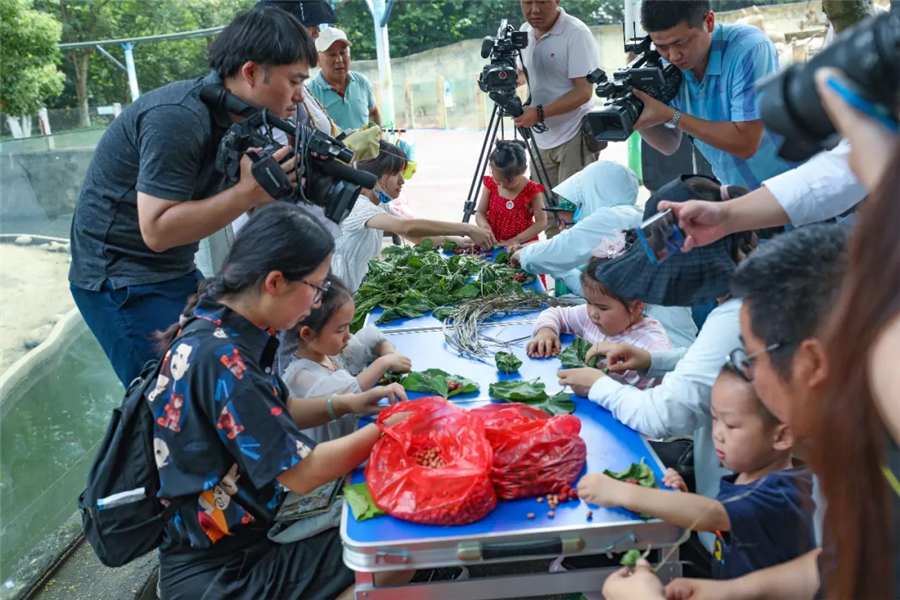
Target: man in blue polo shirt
<point>717,103</point>
<point>346,95</point>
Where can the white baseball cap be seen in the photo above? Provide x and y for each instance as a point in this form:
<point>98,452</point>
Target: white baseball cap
<point>329,36</point>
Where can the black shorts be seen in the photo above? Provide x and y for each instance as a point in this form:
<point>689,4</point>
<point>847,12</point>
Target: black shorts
<point>309,569</point>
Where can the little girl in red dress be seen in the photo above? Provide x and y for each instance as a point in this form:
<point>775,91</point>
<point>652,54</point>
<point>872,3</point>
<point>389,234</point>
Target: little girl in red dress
<point>511,205</point>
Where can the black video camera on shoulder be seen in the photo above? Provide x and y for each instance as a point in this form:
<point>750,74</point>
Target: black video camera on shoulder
<point>502,74</point>
<point>615,121</point>
<point>329,182</point>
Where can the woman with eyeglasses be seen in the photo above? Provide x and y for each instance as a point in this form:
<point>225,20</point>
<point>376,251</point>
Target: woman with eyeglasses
<point>228,438</point>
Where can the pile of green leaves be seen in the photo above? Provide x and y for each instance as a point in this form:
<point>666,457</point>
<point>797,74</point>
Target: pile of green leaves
<point>573,356</point>
<point>533,394</point>
<point>410,281</point>
<point>436,381</point>
<point>507,362</point>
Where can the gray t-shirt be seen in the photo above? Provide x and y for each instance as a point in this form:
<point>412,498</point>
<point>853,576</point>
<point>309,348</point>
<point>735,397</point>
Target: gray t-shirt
<point>163,145</point>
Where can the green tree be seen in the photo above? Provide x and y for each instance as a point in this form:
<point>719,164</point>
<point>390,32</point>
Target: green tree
<point>28,55</point>
<point>416,26</point>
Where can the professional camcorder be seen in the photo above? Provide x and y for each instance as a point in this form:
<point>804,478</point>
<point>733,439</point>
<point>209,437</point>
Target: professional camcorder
<point>615,121</point>
<point>329,182</point>
<point>502,73</point>
<point>869,53</point>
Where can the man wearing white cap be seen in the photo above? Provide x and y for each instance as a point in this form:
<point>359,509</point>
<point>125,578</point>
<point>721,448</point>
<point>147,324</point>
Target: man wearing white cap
<point>347,96</point>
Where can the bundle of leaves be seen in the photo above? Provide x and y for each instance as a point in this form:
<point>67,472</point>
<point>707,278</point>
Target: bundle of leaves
<point>438,382</point>
<point>507,362</point>
<point>573,356</point>
<point>637,474</point>
<point>533,394</point>
<point>411,281</point>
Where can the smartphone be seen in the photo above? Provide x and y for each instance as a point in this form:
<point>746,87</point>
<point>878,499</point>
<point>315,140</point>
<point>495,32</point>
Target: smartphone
<point>660,236</point>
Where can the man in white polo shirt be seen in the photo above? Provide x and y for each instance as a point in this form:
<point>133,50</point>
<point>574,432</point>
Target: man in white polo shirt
<point>561,52</point>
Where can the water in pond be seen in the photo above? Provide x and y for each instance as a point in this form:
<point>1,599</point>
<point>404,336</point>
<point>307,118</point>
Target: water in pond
<point>48,438</point>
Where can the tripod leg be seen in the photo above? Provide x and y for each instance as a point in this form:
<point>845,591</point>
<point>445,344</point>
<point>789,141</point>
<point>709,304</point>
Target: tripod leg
<point>537,162</point>
<point>483,158</point>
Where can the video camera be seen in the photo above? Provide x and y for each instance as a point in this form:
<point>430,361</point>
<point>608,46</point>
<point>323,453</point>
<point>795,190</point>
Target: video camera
<point>502,74</point>
<point>869,53</point>
<point>615,121</point>
<point>330,183</point>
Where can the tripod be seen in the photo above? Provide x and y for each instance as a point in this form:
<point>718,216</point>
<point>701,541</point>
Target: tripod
<point>506,105</point>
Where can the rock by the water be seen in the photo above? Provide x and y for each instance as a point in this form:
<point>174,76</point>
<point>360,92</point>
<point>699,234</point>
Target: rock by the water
<point>24,240</point>
<point>37,336</point>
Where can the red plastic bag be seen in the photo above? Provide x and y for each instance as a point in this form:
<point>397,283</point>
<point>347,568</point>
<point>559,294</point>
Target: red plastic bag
<point>534,454</point>
<point>457,493</point>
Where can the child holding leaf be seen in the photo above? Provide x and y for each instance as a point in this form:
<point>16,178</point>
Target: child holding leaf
<point>331,360</point>
<point>511,204</point>
<point>762,515</point>
<point>605,317</point>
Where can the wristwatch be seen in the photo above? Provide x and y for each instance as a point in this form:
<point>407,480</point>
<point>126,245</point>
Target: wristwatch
<point>673,123</point>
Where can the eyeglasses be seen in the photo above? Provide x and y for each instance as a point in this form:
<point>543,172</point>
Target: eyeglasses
<point>564,224</point>
<point>320,289</point>
<point>742,363</point>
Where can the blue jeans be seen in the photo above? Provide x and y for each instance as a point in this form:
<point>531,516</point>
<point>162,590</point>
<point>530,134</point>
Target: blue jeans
<point>124,320</point>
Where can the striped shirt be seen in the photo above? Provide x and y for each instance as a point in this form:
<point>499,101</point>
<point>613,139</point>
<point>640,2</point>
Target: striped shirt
<point>646,333</point>
<point>740,56</point>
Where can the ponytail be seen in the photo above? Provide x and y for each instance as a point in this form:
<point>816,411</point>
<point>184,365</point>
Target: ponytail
<point>278,237</point>
<point>509,158</point>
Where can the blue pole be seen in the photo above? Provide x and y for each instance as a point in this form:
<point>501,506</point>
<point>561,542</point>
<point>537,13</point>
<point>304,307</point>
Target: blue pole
<point>132,73</point>
<point>382,50</point>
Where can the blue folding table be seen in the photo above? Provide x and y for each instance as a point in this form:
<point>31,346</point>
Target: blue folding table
<point>507,534</point>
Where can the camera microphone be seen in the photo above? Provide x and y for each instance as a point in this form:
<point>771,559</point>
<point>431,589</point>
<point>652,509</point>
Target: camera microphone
<point>218,96</point>
<point>341,171</point>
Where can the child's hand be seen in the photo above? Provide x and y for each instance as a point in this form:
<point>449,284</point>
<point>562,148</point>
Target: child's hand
<point>600,489</point>
<point>366,403</point>
<point>580,380</point>
<point>396,363</point>
<point>544,344</point>
<point>674,480</point>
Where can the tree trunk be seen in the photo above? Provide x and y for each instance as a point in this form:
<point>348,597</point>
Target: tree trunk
<point>846,13</point>
<point>15,127</point>
<point>81,64</point>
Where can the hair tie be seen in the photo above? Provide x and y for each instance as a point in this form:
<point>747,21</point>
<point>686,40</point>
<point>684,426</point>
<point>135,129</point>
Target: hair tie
<point>609,248</point>
<point>724,192</point>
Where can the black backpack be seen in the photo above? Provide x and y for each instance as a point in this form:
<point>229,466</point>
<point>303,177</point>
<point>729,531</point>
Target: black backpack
<point>122,517</point>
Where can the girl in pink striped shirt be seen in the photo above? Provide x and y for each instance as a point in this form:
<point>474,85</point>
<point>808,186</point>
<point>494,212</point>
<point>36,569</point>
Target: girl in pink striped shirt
<point>606,317</point>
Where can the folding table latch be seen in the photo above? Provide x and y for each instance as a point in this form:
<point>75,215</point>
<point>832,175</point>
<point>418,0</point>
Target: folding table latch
<point>392,557</point>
